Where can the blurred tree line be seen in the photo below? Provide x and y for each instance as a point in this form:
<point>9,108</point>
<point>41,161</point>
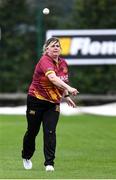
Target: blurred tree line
<point>19,40</point>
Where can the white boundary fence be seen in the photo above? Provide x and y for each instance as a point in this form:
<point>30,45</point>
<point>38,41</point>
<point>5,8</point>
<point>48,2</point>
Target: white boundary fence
<point>104,110</point>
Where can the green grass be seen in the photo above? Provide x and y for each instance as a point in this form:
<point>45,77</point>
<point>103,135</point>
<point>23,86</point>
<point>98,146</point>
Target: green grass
<point>86,148</point>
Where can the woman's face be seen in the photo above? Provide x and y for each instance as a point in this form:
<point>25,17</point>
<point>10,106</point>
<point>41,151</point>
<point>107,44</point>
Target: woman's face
<point>53,49</point>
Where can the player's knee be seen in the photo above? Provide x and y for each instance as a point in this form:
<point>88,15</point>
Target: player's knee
<point>50,132</point>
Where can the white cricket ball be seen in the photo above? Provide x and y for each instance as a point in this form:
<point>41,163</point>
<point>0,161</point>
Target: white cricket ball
<point>46,11</point>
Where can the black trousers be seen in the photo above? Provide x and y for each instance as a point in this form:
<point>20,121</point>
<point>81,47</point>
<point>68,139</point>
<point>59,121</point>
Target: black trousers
<point>47,113</point>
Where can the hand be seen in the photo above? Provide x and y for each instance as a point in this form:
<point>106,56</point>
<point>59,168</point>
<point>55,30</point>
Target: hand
<point>73,91</point>
<point>70,102</point>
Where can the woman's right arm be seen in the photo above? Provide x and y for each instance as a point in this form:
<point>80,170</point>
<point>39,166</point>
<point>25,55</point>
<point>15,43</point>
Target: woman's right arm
<point>59,83</point>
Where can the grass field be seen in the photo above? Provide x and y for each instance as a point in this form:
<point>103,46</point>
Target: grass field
<point>86,148</point>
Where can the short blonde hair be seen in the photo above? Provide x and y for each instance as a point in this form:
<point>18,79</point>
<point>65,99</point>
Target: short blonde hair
<point>49,41</point>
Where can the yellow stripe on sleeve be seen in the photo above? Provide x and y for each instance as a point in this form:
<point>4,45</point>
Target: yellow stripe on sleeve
<point>49,72</point>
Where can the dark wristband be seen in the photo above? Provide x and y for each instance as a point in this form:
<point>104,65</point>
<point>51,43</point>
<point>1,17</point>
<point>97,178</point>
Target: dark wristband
<point>67,95</point>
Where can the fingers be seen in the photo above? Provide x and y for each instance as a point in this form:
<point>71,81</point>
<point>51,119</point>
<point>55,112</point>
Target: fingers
<point>71,103</point>
<point>74,92</point>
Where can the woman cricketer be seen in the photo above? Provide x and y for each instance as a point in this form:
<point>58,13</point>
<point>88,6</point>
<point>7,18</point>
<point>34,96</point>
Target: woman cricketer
<point>49,84</point>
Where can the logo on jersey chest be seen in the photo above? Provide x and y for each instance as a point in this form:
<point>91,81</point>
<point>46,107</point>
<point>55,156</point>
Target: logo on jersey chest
<point>64,77</point>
